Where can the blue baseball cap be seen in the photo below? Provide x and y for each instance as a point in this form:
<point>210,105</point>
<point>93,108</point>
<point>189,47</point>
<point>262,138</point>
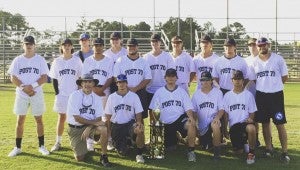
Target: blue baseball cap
<point>84,36</point>
<point>121,77</point>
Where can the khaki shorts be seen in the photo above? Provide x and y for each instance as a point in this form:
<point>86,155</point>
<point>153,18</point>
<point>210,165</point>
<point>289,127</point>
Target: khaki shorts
<point>77,144</point>
<point>36,103</point>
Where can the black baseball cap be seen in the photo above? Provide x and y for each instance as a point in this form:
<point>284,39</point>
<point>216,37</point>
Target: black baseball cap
<point>176,39</point>
<point>229,42</point>
<point>87,77</point>
<point>98,41</point>
<point>115,35</point>
<point>171,72</point>
<point>205,39</point>
<point>155,37</point>
<point>205,75</point>
<point>262,41</point>
<point>66,41</point>
<point>29,40</point>
<point>132,42</point>
<point>237,74</point>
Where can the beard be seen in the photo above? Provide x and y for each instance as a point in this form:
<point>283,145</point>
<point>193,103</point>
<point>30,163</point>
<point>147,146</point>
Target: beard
<point>132,52</point>
<point>264,51</point>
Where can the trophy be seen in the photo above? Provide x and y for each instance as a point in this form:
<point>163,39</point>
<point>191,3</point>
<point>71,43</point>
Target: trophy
<point>157,147</point>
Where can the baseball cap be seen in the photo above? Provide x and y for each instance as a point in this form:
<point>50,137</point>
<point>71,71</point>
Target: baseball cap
<point>98,41</point>
<point>205,39</point>
<point>171,72</point>
<point>29,40</point>
<point>121,77</point>
<point>132,42</point>
<point>229,42</point>
<point>252,41</point>
<point>155,37</point>
<point>86,77</point>
<point>262,41</point>
<point>115,35</point>
<point>237,74</point>
<point>176,39</point>
<point>205,76</point>
<point>66,41</point>
<point>84,36</point>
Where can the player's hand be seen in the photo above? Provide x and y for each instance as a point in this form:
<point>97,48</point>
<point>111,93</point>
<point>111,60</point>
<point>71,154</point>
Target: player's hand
<point>249,120</point>
<point>99,91</point>
<point>99,123</point>
<point>192,121</point>
<point>216,121</point>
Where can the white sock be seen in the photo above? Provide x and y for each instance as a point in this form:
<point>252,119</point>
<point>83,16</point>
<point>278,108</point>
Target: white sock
<point>58,139</point>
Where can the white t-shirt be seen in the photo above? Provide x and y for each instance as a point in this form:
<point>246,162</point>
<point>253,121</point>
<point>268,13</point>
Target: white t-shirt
<point>251,84</point>
<point>224,68</point>
<point>239,106</point>
<point>204,64</point>
<point>172,104</point>
<point>207,107</point>
<point>158,66</point>
<point>101,70</point>
<point>28,71</point>
<point>184,66</point>
<point>115,56</point>
<point>135,70</point>
<point>123,108</point>
<point>268,74</point>
<point>85,106</point>
<point>66,72</point>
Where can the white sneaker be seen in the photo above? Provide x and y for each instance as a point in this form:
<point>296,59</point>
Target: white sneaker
<point>43,150</point>
<point>140,159</point>
<point>191,156</point>
<point>15,152</point>
<point>55,147</point>
<point>110,146</point>
<point>90,144</point>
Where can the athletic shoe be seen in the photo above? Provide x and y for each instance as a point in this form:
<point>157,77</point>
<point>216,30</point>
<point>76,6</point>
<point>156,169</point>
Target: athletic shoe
<point>250,158</point>
<point>140,159</point>
<point>43,150</point>
<point>16,151</point>
<point>191,156</point>
<point>217,155</point>
<point>55,147</point>
<point>104,161</point>
<point>110,146</point>
<point>285,158</point>
<point>90,144</point>
<point>268,153</point>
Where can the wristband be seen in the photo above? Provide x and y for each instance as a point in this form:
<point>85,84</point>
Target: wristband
<point>35,84</point>
<point>21,87</point>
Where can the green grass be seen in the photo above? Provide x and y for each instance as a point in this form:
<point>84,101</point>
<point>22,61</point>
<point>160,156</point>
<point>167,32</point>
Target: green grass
<point>31,159</point>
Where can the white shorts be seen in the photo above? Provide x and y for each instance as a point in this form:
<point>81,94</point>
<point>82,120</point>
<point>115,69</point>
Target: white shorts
<point>60,103</point>
<point>36,102</point>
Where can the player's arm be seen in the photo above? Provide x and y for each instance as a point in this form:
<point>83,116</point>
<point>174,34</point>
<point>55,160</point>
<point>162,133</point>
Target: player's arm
<point>95,122</point>
<point>218,117</point>
<point>191,117</point>
<point>55,86</point>
<point>140,86</point>
<point>15,80</point>
<point>26,88</point>
<point>225,125</point>
<point>250,119</point>
<point>284,78</point>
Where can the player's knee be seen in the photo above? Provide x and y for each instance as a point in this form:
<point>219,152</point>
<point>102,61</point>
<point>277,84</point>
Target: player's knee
<point>250,128</point>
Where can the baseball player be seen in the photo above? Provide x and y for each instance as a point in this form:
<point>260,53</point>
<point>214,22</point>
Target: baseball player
<point>85,50</point>
<point>116,50</point>
<point>176,113</point>
<point>137,71</point>
<point>124,115</point>
<point>28,72</point>
<point>84,114</point>
<point>159,61</point>
<point>65,70</point>
<point>208,106</point>
<point>205,60</point>
<point>269,71</point>
<point>183,64</point>
<point>239,105</point>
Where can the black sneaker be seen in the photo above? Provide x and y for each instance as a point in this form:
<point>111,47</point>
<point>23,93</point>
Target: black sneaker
<point>104,161</point>
<point>285,158</point>
<point>268,153</point>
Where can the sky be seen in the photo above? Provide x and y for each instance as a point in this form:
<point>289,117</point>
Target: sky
<point>257,16</point>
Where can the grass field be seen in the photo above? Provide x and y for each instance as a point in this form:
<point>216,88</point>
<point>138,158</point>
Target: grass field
<point>31,159</point>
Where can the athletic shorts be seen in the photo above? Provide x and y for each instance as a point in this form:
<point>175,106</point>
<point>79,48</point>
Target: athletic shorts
<point>238,135</point>
<point>270,105</point>
<point>77,144</point>
<point>206,139</point>
<point>123,134</point>
<point>36,103</point>
<point>60,104</point>
<point>143,97</point>
<point>171,130</point>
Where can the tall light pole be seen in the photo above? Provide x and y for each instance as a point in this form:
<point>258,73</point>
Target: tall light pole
<point>153,16</point>
<point>276,11</point>
<point>227,19</point>
<point>178,26</point>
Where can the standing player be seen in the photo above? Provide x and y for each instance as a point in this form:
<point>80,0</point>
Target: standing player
<point>28,72</point>
<point>208,106</point>
<point>183,64</point>
<point>269,71</point>
<point>206,60</point>
<point>85,50</point>
<point>159,61</point>
<point>176,113</point>
<point>124,115</point>
<point>137,71</point>
<point>84,118</point>
<point>65,70</point>
<point>239,105</point>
